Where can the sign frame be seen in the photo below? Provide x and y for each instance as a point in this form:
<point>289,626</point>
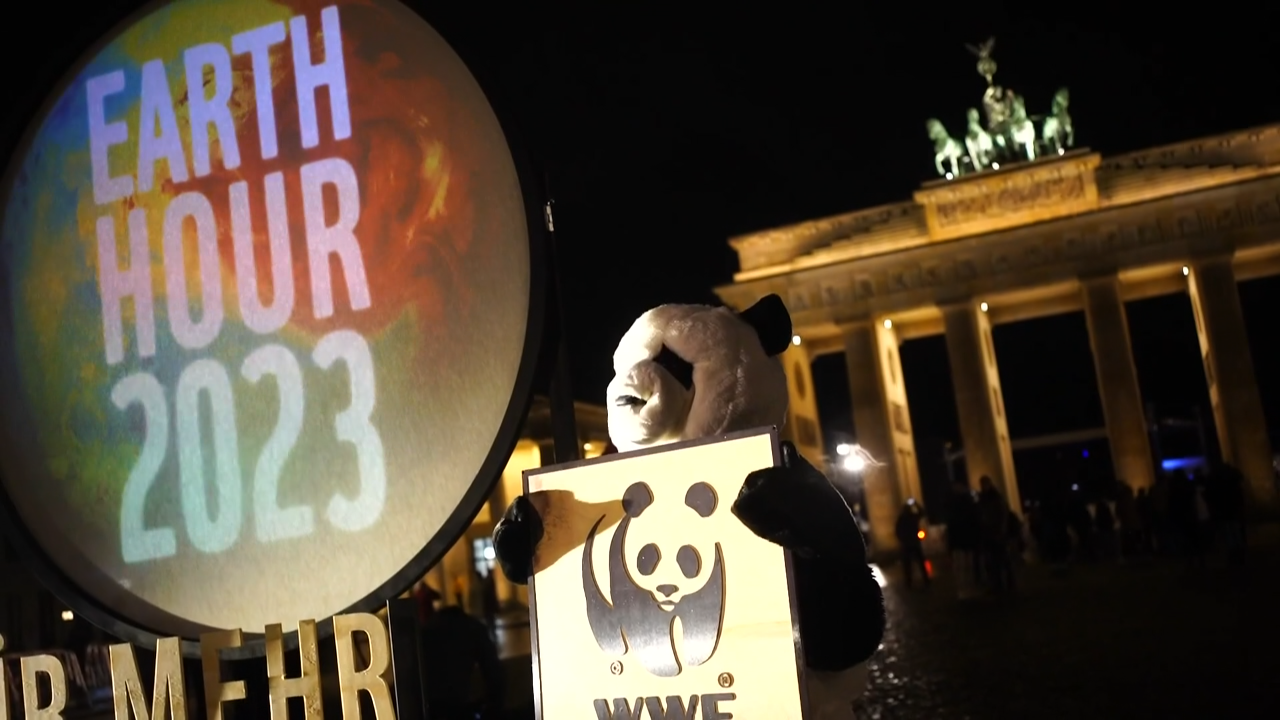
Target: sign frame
<point>16,139</point>
<point>788,561</point>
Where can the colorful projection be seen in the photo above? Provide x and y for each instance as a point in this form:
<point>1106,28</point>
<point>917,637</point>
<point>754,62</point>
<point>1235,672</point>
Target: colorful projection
<point>266,289</point>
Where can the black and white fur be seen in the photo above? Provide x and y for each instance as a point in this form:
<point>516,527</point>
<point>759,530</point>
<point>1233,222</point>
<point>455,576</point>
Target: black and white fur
<point>684,372</point>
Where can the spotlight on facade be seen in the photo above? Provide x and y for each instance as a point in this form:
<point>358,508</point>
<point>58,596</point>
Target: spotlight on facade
<point>888,324</point>
<point>1186,271</point>
<point>795,339</point>
<point>587,447</point>
<point>949,176</point>
<point>984,307</point>
<point>995,166</point>
<point>843,449</point>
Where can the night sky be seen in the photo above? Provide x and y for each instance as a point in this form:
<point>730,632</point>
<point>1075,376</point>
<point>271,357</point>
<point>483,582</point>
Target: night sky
<point>666,131</point>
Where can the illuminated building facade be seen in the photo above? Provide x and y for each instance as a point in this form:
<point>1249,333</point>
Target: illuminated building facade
<point>1065,232</point>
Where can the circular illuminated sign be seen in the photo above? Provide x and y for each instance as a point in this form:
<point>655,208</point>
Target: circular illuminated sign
<point>270,308</point>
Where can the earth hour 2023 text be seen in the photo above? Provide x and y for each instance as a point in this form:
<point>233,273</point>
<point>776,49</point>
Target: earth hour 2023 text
<point>190,216</point>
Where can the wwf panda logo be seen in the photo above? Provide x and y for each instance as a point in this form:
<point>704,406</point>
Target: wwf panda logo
<point>642,616</point>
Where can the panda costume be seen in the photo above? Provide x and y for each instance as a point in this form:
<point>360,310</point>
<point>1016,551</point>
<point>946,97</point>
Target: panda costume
<point>684,372</point>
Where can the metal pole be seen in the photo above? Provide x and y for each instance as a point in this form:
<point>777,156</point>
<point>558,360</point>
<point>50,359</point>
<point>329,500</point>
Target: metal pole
<point>564,427</point>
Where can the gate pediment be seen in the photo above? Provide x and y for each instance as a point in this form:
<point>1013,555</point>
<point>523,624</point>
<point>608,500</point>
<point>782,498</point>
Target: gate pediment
<point>1002,199</point>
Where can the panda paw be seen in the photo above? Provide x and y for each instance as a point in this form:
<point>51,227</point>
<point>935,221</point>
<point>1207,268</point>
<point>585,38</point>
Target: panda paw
<point>795,506</point>
<point>842,613</point>
<point>515,538</point>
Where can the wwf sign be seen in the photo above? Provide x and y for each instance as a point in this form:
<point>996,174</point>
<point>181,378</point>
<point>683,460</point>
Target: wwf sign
<point>650,599</point>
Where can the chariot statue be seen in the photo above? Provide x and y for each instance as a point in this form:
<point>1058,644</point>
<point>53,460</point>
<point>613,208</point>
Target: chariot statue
<point>1020,130</point>
<point>1012,131</point>
<point>982,148</point>
<point>1057,132</point>
<point>944,148</point>
<point>1009,134</point>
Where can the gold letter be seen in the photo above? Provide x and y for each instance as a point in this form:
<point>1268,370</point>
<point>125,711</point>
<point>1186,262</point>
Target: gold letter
<point>170,688</point>
<point>217,692</point>
<point>371,679</point>
<point>31,669</point>
<point>306,685</point>
<point>4,689</point>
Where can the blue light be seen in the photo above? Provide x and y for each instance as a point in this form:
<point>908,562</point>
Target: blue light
<point>1084,453</point>
<point>1179,463</point>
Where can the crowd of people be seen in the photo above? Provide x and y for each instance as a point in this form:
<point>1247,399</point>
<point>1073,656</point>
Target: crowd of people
<point>1183,515</point>
<point>1186,514</point>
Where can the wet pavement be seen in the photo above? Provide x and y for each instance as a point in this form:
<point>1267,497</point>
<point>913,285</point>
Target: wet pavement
<point>1155,639</point>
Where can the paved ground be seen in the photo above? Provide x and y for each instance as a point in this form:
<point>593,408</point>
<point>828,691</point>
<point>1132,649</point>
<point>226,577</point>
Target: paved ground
<point>1152,640</point>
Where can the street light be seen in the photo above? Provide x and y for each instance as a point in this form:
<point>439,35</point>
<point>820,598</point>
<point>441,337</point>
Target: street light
<point>843,449</point>
<point>855,463</point>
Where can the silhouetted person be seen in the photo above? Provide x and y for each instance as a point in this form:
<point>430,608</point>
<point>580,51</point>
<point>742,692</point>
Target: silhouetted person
<point>1082,524</point>
<point>454,647</point>
<point>1016,545</point>
<point>1226,505</point>
<point>1104,522</point>
<point>1146,513</point>
<point>911,545</point>
<point>1054,515</point>
<point>963,537</point>
<point>1162,531</point>
<point>993,515</point>
<point>1202,530</point>
<point>426,597</point>
<point>1127,517</point>
<point>489,600</point>
<point>1182,514</point>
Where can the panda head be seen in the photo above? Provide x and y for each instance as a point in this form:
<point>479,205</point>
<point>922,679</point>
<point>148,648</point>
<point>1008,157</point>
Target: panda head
<point>684,372</point>
<point>662,563</point>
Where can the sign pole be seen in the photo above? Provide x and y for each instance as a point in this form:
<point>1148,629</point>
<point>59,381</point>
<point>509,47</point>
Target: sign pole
<point>406,668</point>
<point>564,428</point>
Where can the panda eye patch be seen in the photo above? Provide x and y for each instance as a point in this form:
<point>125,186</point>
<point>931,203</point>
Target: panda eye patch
<point>689,561</point>
<point>636,499</point>
<point>680,369</point>
<point>701,497</point>
<point>648,559</point>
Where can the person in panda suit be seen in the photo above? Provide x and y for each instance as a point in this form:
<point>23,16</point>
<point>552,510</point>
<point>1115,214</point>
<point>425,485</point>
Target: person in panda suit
<point>685,372</point>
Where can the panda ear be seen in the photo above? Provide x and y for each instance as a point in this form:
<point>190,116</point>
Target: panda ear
<point>772,323</point>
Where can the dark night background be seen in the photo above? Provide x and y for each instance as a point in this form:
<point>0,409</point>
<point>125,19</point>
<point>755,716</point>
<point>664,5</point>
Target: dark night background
<point>666,130</point>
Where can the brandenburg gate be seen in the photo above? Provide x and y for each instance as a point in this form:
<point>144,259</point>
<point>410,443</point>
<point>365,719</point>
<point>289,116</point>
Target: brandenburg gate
<point>1067,230</point>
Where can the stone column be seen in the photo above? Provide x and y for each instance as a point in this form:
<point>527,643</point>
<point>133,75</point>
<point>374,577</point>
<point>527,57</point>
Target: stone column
<point>1118,382</point>
<point>984,430</point>
<point>883,424</point>
<point>1233,388</point>
<point>802,427</point>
